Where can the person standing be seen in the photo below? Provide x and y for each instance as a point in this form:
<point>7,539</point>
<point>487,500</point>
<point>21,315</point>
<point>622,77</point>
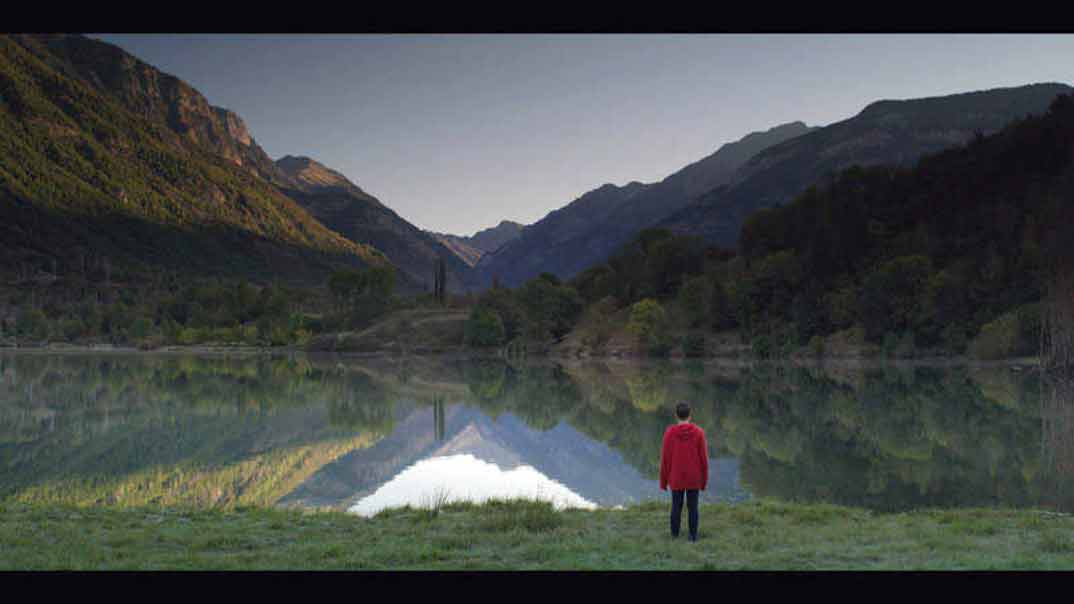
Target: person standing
<point>684,466</point>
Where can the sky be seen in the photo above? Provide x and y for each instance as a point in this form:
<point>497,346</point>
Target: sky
<point>457,132</point>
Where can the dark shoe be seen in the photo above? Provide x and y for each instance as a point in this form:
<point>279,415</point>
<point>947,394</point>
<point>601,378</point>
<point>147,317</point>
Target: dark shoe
<point>693,538</point>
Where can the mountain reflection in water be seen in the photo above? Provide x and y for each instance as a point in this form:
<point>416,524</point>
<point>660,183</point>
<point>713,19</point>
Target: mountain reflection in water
<point>330,432</point>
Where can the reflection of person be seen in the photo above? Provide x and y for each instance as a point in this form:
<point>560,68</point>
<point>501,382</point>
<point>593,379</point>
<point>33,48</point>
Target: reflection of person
<point>684,466</point>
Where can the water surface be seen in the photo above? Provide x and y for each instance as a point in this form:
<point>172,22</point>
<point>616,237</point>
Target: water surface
<point>362,435</point>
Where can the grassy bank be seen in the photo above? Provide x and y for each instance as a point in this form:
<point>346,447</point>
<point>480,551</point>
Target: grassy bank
<point>522,535</point>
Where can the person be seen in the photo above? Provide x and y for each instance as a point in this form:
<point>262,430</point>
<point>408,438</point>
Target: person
<point>684,466</point>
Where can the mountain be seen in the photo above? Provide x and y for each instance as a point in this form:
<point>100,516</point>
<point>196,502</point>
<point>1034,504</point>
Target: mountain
<point>470,249</point>
<point>592,227</point>
<point>887,132</point>
<point>104,158</point>
<point>345,208</point>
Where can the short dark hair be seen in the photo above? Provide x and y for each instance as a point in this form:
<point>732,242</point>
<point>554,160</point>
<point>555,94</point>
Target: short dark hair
<point>682,410</point>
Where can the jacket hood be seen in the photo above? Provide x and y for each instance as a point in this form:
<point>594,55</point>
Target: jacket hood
<point>684,431</point>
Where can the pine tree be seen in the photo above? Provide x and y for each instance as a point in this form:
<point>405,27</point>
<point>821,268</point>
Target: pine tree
<point>441,281</point>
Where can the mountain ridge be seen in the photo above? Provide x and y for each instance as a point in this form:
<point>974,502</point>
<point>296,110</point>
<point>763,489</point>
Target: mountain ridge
<point>590,228</point>
<point>471,248</point>
<point>892,132</point>
<point>345,208</point>
<point>86,169</point>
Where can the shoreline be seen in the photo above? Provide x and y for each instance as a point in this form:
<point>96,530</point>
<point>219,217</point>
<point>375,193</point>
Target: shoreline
<point>1016,363</point>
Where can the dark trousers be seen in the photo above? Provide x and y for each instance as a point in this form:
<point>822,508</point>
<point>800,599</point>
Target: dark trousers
<point>691,512</point>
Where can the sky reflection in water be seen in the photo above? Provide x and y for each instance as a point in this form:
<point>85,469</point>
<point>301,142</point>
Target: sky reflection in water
<point>466,478</point>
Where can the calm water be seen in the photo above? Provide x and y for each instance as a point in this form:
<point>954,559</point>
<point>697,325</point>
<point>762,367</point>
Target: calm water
<point>362,435</point>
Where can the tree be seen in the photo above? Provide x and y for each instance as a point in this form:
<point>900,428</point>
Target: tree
<point>380,282</point>
<point>648,323</point>
<point>484,328</point>
<point>695,300</point>
<point>891,295</point>
<point>668,261</point>
<point>345,285</point>
<point>720,311</point>
<point>440,282</point>
<point>551,307</point>
<point>505,304</point>
<point>33,324</point>
<point>140,328</point>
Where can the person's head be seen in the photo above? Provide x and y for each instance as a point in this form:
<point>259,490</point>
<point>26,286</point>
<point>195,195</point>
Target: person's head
<point>682,411</point>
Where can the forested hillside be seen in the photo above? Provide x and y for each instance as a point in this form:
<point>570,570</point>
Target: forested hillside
<point>949,255</point>
<point>87,182</point>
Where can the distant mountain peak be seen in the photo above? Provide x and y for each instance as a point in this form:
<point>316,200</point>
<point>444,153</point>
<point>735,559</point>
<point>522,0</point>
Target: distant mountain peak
<point>313,175</point>
<point>471,249</point>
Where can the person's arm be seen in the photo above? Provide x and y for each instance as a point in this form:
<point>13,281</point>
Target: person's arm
<point>665,463</point>
<point>704,451</point>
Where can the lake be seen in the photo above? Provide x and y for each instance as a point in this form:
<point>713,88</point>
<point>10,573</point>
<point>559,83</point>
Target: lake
<point>360,434</point>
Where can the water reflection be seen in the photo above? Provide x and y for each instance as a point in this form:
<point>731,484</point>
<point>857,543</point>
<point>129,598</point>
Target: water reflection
<point>1057,440</point>
<point>349,434</point>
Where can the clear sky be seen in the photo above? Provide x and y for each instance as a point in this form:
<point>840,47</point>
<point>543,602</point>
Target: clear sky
<point>458,132</point>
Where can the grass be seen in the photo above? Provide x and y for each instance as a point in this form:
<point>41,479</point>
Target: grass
<point>531,535</point>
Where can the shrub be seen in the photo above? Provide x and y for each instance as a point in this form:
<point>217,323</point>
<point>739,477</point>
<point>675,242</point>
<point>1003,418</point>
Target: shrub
<point>151,343</point>
<point>249,334</point>
<point>761,346</point>
<point>71,329</point>
<point>1010,334</point>
<point>598,324</point>
<point>889,343</point>
<point>954,338</point>
<point>1028,329</point>
<point>659,346</point>
<point>33,324</point>
<point>302,337</point>
<point>483,328</point>
<point>140,328</point>
<point>648,323</point>
<point>695,300</point>
<point>906,346</point>
<point>279,336</point>
<point>693,345</point>
<point>785,340</point>
<point>188,336</point>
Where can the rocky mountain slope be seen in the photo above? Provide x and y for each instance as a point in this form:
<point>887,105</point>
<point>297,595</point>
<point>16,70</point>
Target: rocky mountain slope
<point>345,208</point>
<point>470,249</point>
<point>105,158</point>
<point>885,132</point>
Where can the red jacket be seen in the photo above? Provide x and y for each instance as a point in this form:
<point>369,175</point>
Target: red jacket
<point>684,460</point>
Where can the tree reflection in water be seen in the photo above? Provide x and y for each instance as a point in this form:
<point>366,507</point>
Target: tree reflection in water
<point>1057,439</point>
<point>883,437</point>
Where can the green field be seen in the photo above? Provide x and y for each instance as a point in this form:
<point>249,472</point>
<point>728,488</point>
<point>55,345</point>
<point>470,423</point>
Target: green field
<point>526,535</point>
